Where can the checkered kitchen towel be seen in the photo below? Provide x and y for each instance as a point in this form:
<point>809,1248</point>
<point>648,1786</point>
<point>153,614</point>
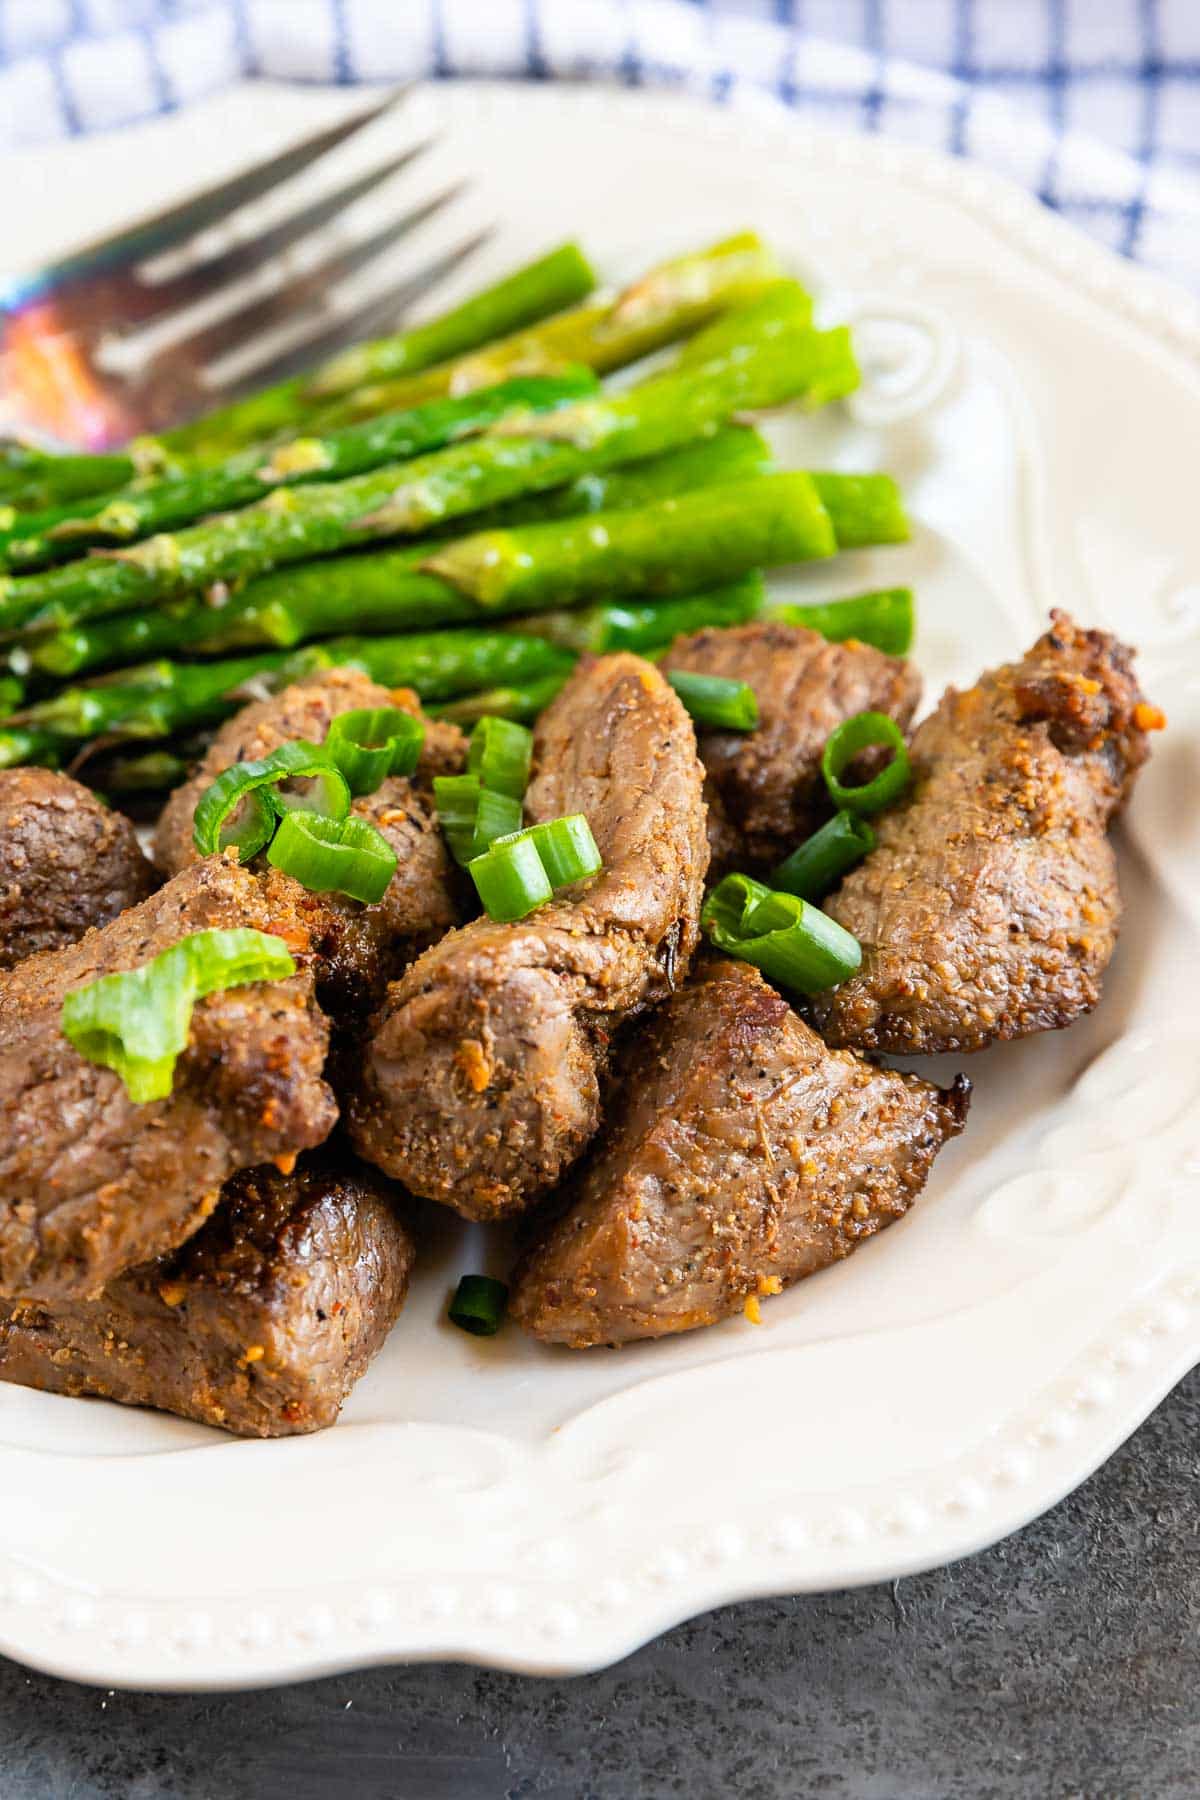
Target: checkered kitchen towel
<point>1092,104</point>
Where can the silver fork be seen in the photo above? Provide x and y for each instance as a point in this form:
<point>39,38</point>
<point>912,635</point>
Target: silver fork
<point>71,372</point>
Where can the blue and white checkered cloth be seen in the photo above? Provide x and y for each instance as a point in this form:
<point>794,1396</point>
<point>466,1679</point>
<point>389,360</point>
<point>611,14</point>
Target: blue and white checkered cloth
<point>1092,104</point>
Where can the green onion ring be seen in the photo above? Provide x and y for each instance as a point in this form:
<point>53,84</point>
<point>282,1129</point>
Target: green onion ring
<point>471,816</point>
<point>291,761</point>
<point>522,871</point>
<point>501,754</point>
<point>794,944</point>
<point>567,849</point>
<point>851,738</point>
<point>334,856</point>
<point>816,865</point>
<point>371,743</point>
<point>137,1022</point>
<point>478,1305</point>
<point>510,879</point>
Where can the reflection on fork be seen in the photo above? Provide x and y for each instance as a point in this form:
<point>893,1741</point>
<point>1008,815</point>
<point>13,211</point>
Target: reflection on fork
<point>73,366</point>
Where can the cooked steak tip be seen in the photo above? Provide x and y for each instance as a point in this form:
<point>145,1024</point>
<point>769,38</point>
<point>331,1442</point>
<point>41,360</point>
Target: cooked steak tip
<point>261,1324</point>
<point>741,1155</point>
<point>990,908</point>
<point>481,1076</point>
<point>67,862</point>
<point>91,1183</point>
<point>765,789</point>
<point>360,948</point>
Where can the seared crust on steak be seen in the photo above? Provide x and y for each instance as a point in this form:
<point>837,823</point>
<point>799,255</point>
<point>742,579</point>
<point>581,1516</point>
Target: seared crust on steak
<point>742,1155</point>
<point>91,1183</point>
<point>361,947</point>
<point>480,1082</point>
<point>990,908</point>
<point>261,1323</point>
<point>766,790</point>
<point>67,862</point>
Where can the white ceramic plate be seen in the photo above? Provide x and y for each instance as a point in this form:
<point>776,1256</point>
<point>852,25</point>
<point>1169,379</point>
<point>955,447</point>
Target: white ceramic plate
<point>549,1511</point>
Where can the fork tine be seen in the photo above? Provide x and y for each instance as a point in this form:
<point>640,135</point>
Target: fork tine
<point>233,328</point>
<point>371,317</point>
<point>157,298</point>
<point>166,230</point>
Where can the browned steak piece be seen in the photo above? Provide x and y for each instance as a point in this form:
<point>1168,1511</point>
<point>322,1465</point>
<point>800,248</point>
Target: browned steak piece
<point>990,908</point>
<point>767,783</point>
<point>481,1081</point>
<point>742,1155</point>
<point>67,862</point>
<point>261,1323</point>
<point>360,947</point>
<point>91,1183</point>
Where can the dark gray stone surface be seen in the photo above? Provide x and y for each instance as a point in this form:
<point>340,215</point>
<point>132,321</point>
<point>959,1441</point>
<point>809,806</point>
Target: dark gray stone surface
<point>1065,1662</point>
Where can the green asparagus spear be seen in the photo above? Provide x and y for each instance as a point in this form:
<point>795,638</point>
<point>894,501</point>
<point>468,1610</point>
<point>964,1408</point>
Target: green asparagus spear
<point>19,462</point>
<point>377,592</point>
<point>19,745</point>
<point>160,698</point>
<point>445,665</point>
<point>523,701</point>
<point>701,539</point>
<point>663,306</point>
<point>781,309</point>
<point>57,482</point>
<point>557,280</point>
<point>680,545</point>
<point>645,624</point>
<point>11,694</point>
<point>883,617</point>
<point>524,665</point>
<point>249,474</point>
<point>529,293</point>
<point>733,453</point>
<point>780,306</point>
<point>865,509</point>
<point>142,772</point>
<point>517,456</point>
<point>442,664</point>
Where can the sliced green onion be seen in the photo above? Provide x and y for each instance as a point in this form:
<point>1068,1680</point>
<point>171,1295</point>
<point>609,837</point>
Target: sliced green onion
<point>715,701</point>
<point>510,879</point>
<point>501,752</point>
<point>521,872</point>
<point>456,798</point>
<point>567,849</point>
<point>249,825</point>
<point>136,1022</point>
<point>852,737</point>
<point>478,1305</point>
<point>371,743</point>
<point>812,869</point>
<point>885,618</point>
<point>248,785</point>
<point>794,944</point>
<point>472,817</point>
<point>334,856</point>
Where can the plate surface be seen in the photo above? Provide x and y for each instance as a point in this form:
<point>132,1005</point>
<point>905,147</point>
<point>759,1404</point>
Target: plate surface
<point>549,1512</point>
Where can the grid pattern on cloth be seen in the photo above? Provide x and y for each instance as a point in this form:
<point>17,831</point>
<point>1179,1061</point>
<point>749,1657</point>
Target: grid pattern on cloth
<point>1094,105</point>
